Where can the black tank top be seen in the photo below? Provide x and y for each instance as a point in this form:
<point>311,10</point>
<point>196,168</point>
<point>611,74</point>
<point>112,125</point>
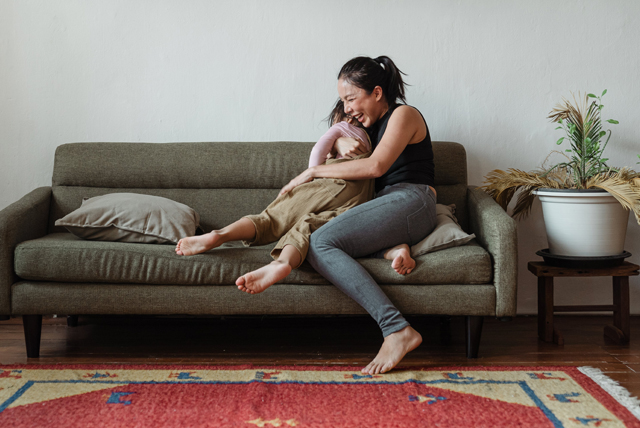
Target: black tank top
<point>415,163</point>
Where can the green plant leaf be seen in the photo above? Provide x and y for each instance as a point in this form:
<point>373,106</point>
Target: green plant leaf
<point>615,122</point>
<point>560,141</point>
<point>603,92</point>
<point>602,134</point>
<point>568,150</point>
<point>591,96</point>
<point>559,127</point>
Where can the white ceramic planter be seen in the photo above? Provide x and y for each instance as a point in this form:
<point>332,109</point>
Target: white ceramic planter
<point>583,223</point>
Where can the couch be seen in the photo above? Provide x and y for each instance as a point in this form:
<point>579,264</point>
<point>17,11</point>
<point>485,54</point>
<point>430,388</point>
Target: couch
<point>46,270</point>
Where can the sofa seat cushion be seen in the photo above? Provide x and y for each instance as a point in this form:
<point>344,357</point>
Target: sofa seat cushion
<point>62,257</point>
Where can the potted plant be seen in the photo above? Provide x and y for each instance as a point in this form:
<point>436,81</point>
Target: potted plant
<point>585,202</point>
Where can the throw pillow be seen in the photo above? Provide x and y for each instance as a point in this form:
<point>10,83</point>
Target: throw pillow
<point>131,217</point>
<point>447,233</point>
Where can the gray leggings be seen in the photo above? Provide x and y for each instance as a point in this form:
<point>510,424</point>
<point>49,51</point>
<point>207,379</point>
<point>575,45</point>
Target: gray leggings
<point>404,213</point>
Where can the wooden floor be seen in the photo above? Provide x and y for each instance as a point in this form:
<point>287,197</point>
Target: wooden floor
<point>317,341</point>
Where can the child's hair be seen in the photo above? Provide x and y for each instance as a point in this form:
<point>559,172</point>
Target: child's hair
<point>338,115</point>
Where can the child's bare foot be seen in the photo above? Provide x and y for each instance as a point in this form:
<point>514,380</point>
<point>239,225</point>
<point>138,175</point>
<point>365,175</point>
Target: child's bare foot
<point>198,244</point>
<point>393,350</point>
<point>259,280</point>
<point>402,261</point>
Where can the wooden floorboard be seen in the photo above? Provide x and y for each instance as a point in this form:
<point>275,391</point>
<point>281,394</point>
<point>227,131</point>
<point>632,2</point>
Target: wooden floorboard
<point>351,341</point>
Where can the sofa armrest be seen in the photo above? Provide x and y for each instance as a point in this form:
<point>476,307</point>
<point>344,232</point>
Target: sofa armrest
<point>23,220</point>
<point>496,231</point>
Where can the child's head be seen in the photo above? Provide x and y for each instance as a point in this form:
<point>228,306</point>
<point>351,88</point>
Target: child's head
<point>338,115</point>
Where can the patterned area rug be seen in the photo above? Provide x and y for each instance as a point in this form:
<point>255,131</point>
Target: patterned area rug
<point>246,396</point>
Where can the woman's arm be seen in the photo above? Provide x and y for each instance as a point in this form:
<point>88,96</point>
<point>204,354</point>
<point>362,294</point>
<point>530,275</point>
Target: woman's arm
<point>405,127</point>
<point>349,147</point>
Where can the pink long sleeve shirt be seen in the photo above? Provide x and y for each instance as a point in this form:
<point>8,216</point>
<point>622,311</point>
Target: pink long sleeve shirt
<point>325,143</point>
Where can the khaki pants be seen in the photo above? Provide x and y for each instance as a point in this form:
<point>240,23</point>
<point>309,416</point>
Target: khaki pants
<point>294,216</point>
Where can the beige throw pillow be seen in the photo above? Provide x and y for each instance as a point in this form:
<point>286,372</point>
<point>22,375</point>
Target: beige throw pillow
<point>131,217</point>
<point>447,233</point>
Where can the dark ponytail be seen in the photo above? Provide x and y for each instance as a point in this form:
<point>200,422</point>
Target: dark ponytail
<point>367,73</point>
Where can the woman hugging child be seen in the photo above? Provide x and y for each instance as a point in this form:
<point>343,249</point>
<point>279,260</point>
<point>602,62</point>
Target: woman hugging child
<point>292,217</point>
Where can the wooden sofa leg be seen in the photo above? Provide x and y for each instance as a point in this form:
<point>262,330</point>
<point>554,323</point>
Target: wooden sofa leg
<point>32,330</point>
<point>72,320</point>
<point>474,331</point>
<point>445,330</point>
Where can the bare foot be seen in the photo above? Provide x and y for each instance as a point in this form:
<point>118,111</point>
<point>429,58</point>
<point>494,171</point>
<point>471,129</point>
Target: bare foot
<point>402,261</point>
<point>259,280</point>
<point>394,348</point>
<point>198,244</point>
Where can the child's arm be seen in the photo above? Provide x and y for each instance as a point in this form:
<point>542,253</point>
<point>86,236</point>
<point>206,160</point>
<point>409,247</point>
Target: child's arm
<point>324,146</point>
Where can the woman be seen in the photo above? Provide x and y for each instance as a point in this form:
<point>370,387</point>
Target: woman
<point>403,210</point>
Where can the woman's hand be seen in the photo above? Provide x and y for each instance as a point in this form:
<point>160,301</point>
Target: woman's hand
<point>305,177</point>
<point>349,147</point>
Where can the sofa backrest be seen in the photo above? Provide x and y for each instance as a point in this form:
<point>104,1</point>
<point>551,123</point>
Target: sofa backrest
<point>221,181</point>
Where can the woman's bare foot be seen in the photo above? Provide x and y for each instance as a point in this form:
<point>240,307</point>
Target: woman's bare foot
<point>402,261</point>
<point>198,244</point>
<point>394,348</point>
<point>259,280</point>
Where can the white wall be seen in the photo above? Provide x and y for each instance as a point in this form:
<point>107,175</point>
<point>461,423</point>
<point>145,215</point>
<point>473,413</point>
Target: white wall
<point>483,73</point>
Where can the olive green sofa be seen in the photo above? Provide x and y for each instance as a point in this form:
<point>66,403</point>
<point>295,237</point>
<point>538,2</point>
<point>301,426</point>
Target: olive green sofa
<point>46,270</point>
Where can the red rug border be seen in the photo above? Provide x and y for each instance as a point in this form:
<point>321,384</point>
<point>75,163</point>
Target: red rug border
<point>172,366</point>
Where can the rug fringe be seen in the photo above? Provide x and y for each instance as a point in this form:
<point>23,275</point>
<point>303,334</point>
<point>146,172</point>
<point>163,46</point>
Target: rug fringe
<point>614,389</point>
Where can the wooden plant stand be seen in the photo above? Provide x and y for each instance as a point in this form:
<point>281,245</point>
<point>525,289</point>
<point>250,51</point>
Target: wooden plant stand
<point>619,331</point>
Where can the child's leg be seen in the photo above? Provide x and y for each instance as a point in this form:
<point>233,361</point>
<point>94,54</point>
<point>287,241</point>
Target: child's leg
<point>242,229</point>
<point>261,279</point>
<point>272,223</point>
<point>401,256</point>
<point>288,254</point>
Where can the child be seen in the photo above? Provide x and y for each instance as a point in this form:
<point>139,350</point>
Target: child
<point>294,216</point>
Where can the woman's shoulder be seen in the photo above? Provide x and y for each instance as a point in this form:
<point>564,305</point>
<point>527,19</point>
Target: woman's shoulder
<point>405,110</point>
<point>406,115</point>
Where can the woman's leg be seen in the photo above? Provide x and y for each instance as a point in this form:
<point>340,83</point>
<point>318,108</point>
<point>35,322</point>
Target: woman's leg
<point>401,259</point>
<point>404,213</point>
<point>242,229</point>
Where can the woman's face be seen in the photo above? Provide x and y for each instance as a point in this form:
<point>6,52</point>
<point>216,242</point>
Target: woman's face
<point>363,107</point>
